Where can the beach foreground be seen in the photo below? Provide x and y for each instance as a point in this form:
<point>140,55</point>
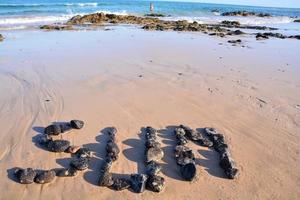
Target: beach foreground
<point>130,78</point>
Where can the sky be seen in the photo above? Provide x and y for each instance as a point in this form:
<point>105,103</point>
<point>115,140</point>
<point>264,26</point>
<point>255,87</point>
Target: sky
<point>268,3</point>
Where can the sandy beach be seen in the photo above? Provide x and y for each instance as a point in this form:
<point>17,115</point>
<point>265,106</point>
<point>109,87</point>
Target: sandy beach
<point>130,78</point>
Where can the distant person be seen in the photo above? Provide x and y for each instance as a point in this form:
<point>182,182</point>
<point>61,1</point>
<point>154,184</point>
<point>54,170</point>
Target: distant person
<point>151,7</point>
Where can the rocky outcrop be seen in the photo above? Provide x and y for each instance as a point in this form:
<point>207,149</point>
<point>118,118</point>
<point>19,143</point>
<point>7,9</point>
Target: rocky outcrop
<point>154,15</point>
<point>245,14</point>
<point>56,27</point>
<point>297,20</point>
<point>263,36</point>
<point>99,18</point>
<point>231,23</point>
<point>1,38</point>
<point>238,41</point>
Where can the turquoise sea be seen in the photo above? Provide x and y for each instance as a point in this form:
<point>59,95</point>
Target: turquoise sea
<point>21,13</point>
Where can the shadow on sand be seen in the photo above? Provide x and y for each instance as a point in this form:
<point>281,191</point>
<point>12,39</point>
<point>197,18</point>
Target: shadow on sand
<point>99,154</point>
<point>136,152</point>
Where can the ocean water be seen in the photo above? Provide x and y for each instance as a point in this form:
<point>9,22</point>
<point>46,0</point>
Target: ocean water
<point>15,14</point>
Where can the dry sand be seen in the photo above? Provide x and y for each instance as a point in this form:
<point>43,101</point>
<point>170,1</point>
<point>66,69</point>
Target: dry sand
<point>250,94</point>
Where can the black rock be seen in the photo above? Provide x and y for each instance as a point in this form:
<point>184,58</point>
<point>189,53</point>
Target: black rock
<point>155,183</point>
<point>154,15</point>
<point>76,124</point>
<point>180,135</point>
<point>120,184</point>
<point>189,171</point>
<point>58,145</point>
<point>231,23</point>
<point>54,129</point>
<point>80,163</point>
<point>112,150</point>
<point>105,178</point>
<point>138,182</point>
<point>152,143</point>
<point>234,41</point>
<point>66,172</point>
<point>84,153</point>
<point>45,176</point>
<point>218,139</point>
<point>153,168</point>
<point>260,36</point>
<point>227,163</point>
<point>25,176</point>
<point>236,32</point>
<point>184,155</point>
<point>112,133</point>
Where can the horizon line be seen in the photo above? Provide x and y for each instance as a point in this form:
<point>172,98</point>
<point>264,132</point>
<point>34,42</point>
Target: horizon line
<point>191,1</point>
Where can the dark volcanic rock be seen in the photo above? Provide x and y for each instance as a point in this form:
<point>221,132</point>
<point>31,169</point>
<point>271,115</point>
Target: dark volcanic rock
<point>56,27</point>
<point>218,140</point>
<point>105,178</point>
<point>189,171</point>
<point>154,154</point>
<point>155,183</point>
<point>297,20</point>
<point>231,23</point>
<point>76,124</point>
<point>227,163</point>
<point>80,163</point>
<point>234,41</point>
<point>120,184</point>
<point>152,143</point>
<point>196,136</point>
<point>138,182</point>
<point>260,36</point>
<point>112,150</point>
<point>112,133</point>
<point>153,168</point>
<point>1,38</point>
<point>46,176</point>
<point>180,135</point>
<point>25,176</point>
<point>184,155</point>
<point>270,34</point>
<point>66,172</point>
<point>54,129</point>
<point>154,15</point>
<point>84,153</point>
<point>236,32</point>
<point>295,37</point>
<point>245,14</point>
<point>58,145</point>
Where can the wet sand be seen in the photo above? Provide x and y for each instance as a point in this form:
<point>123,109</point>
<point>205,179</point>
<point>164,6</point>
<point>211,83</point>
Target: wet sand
<point>130,78</point>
